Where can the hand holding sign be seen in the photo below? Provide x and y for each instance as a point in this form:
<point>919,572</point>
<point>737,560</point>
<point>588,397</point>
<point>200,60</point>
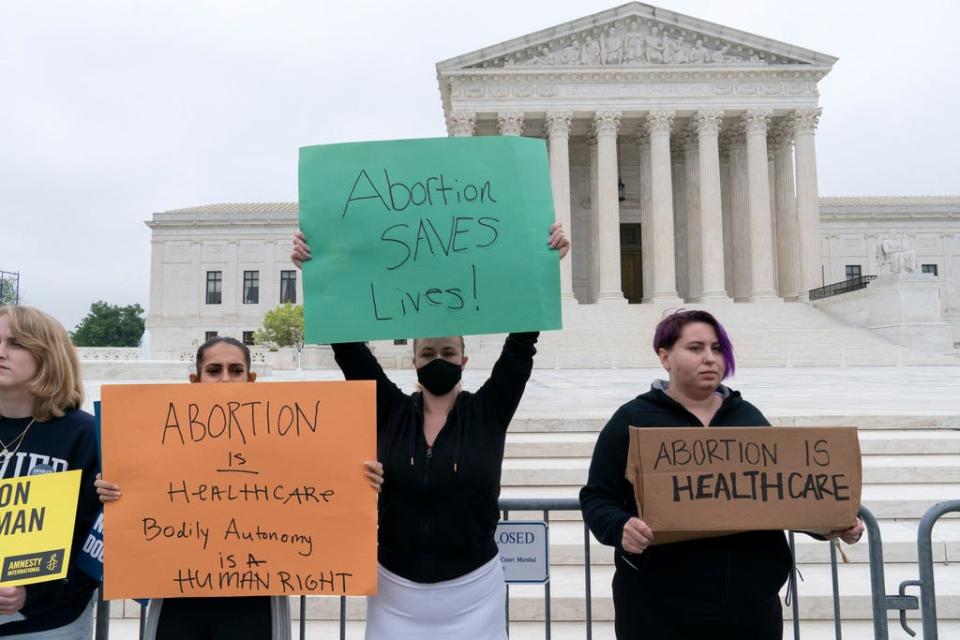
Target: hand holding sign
<point>11,600</point>
<point>427,237</point>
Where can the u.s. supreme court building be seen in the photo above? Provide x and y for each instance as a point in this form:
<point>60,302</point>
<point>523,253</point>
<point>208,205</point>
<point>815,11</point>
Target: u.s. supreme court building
<point>683,160</point>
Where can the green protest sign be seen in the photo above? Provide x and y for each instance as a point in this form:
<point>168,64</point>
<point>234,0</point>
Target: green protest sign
<point>441,236</point>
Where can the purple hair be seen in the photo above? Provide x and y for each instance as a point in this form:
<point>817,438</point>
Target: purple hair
<point>669,329</point>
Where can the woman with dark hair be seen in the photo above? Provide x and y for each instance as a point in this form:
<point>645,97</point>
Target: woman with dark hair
<point>221,359</point>
<point>723,587</point>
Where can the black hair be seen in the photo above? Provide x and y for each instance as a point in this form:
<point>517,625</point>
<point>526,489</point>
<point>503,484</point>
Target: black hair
<point>225,340</point>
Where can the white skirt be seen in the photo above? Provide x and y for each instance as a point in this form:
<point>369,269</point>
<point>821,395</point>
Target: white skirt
<point>471,606</point>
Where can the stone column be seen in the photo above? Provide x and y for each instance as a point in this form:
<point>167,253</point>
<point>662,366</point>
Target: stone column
<point>788,271</point>
<point>713,286</point>
<point>725,187</point>
<point>593,232</point>
<point>739,215</point>
<point>510,123</point>
<point>772,190</point>
<point>758,193</point>
<point>558,134</point>
<point>646,225</point>
<point>462,124</point>
<point>808,205</point>
<point>606,126</point>
<point>678,173</point>
<point>691,161</point>
<point>661,207</point>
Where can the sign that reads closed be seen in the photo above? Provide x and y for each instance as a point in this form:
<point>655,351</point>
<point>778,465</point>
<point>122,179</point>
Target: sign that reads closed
<point>524,550</point>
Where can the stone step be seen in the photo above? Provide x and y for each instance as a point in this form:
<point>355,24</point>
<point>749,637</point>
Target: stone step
<point>877,469</point>
<point>579,444</point>
<point>129,629</point>
<point>586,420</point>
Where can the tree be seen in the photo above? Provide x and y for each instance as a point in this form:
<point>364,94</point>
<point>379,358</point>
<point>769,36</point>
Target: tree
<point>282,327</point>
<point>8,288</point>
<point>110,325</point>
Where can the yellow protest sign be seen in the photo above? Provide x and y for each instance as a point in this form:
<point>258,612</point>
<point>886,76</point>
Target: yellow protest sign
<point>239,489</point>
<point>37,514</point>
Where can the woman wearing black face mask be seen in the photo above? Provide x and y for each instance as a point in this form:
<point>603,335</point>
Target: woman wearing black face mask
<point>442,453</point>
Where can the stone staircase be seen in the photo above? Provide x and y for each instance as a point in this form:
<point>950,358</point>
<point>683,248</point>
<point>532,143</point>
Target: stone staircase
<point>909,420</point>
<point>774,334</point>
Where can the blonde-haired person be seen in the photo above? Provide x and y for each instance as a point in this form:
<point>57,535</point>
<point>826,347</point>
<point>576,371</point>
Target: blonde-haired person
<point>439,573</point>
<point>43,430</point>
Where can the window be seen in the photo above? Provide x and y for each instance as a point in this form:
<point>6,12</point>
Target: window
<point>288,287</point>
<point>853,271</point>
<point>400,341</point>
<point>208,335</point>
<point>251,287</point>
<point>248,338</point>
<point>929,268</point>
<point>214,287</point>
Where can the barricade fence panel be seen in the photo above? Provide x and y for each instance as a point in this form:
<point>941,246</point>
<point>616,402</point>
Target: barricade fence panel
<point>881,601</point>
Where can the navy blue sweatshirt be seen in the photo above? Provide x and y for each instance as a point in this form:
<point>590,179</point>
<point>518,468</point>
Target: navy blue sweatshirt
<point>60,444</point>
<point>438,507</point>
<point>744,568</point>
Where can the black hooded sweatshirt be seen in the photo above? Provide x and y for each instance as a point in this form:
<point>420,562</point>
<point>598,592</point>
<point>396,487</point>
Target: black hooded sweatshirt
<point>745,568</point>
<point>60,444</point>
<point>438,509</point>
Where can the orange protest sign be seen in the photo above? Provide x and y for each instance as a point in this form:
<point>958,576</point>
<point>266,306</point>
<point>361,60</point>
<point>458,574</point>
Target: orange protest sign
<point>239,489</point>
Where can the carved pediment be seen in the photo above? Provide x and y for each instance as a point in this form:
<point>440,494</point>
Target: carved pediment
<point>637,35</point>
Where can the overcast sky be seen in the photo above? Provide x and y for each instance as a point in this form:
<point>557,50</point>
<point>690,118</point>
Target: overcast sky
<point>112,110</point>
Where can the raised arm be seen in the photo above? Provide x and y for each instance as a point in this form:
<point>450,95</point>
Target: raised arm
<point>502,391</point>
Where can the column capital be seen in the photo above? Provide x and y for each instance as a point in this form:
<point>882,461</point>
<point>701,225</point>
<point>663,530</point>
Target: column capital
<point>805,120</point>
<point>558,123</point>
<point>660,121</point>
<point>606,123</point>
<point>708,121</point>
<point>642,136</point>
<point>755,121</point>
<point>510,123</point>
<point>780,133</point>
<point>462,123</point>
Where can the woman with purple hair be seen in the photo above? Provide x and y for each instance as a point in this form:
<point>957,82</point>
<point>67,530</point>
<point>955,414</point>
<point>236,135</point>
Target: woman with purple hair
<point>722,587</point>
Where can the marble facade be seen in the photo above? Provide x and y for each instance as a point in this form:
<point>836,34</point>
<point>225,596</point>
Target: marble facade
<point>650,118</point>
<point>683,165</point>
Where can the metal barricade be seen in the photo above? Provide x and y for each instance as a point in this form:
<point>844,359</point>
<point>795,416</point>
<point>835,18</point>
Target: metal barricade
<point>880,600</point>
<point>928,594</point>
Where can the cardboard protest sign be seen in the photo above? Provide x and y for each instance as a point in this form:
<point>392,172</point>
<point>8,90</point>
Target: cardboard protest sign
<point>433,237</point>
<point>239,489</point>
<point>694,483</point>
<point>37,515</point>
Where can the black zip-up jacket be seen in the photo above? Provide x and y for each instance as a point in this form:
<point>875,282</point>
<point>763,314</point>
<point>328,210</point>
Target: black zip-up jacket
<point>438,507</point>
<point>745,568</point>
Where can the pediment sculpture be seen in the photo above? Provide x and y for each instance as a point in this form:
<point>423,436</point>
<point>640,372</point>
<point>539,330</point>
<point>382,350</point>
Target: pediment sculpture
<point>635,43</point>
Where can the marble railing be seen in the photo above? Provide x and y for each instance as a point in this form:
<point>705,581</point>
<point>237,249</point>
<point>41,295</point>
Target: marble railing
<point>109,354</point>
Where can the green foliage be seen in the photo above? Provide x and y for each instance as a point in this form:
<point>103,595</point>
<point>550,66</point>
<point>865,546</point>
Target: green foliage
<point>110,325</point>
<point>8,290</point>
<point>282,327</point>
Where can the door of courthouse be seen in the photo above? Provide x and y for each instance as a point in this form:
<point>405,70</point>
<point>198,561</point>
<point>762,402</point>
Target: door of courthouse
<point>631,269</point>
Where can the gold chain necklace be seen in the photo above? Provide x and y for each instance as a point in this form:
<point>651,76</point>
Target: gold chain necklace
<point>5,448</point>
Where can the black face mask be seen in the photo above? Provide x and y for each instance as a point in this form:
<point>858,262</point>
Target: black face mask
<point>439,376</point>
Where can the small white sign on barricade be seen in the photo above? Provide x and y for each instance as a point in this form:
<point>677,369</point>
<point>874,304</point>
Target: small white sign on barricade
<point>524,550</point>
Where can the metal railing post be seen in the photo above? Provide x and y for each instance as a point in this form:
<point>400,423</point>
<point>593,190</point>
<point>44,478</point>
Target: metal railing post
<point>794,595</point>
<point>835,579</point>
<point>102,630</point>
<point>928,594</point>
